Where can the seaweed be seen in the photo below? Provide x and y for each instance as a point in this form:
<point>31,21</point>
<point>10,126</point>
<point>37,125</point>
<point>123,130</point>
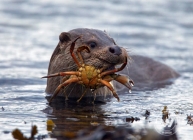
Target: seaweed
<point>17,134</point>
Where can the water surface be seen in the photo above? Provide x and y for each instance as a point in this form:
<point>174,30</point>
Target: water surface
<point>29,30</point>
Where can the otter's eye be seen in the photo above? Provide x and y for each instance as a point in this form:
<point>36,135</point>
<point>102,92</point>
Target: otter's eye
<point>92,45</point>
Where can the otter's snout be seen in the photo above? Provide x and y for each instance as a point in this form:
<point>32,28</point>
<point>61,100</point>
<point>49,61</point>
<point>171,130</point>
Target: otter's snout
<point>115,50</point>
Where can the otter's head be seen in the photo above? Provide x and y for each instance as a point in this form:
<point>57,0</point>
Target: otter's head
<point>104,52</point>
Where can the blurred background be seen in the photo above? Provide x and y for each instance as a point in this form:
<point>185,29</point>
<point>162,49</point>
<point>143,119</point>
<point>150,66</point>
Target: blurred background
<point>29,30</point>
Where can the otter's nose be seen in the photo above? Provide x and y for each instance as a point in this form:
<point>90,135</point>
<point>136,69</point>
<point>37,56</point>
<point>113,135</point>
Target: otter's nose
<point>115,50</point>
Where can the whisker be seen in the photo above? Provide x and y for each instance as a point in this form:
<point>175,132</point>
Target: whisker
<point>127,67</point>
<point>72,89</point>
<point>94,92</point>
<point>65,89</point>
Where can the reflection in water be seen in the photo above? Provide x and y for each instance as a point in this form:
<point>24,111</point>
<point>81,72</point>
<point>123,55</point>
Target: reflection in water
<point>29,33</point>
<point>72,116</point>
<point>74,120</point>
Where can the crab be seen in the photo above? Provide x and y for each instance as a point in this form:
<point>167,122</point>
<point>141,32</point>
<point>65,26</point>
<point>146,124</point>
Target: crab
<point>89,76</point>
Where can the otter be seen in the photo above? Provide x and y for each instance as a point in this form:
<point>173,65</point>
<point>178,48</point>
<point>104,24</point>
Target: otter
<point>104,53</point>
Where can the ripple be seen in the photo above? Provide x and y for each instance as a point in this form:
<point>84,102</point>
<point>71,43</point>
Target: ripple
<point>29,33</point>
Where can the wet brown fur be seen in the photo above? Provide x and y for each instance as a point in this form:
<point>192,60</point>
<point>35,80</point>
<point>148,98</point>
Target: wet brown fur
<point>142,70</point>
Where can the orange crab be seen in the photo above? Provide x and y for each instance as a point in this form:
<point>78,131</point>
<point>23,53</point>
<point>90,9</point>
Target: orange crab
<point>89,76</point>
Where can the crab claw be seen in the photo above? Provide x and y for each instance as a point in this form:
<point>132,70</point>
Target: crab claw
<point>125,81</point>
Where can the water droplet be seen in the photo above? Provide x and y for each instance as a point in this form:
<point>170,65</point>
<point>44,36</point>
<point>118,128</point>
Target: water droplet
<point>129,91</point>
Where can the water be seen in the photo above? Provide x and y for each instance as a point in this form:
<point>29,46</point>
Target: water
<point>29,30</point>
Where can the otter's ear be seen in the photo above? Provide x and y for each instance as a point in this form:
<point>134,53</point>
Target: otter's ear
<point>64,37</point>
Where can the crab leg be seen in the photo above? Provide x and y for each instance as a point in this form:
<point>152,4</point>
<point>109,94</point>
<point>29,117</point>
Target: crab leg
<point>62,74</point>
<point>72,53</point>
<point>111,88</point>
<point>72,80</point>
<point>116,69</point>
<point>94,96</point>
<point>81,49</point>
<point>63,80</point>
<point>82,95</point>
